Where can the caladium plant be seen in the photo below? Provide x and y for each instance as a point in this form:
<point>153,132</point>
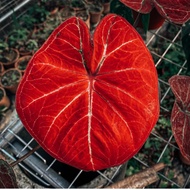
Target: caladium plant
<point>7,176</point>
<point>180,117</point>
<point>177,11</point>
<point>90,102</point>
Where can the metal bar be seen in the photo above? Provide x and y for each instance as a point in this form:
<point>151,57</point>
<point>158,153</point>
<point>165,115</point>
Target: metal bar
<point>25,168</point>
<point>14,10</point>
<point>39,167</point>
<point>5,137</point>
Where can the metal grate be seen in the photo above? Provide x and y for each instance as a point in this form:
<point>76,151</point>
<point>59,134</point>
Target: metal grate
<point>160,146</point>
<point>11,10</point>
<point>166,49</point>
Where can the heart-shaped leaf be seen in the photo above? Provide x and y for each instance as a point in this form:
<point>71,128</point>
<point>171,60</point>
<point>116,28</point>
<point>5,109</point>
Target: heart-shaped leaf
<point>7,176</point>
<point>177,11</point>
<point>90,103</point>
<point>180,117</point>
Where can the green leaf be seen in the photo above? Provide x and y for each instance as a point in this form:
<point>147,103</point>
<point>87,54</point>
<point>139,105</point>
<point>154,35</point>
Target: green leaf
<point>147,144</point>
<point>7,176</point>
<point>145,21</point>
<point>122,10</point>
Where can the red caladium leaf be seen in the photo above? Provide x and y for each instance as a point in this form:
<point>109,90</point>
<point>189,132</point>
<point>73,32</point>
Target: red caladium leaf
<point>177,11</point>
<point>7,176</point>
<point>90,103</point>
<point>180,118</point>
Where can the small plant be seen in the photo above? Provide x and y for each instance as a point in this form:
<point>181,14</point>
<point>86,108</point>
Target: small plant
<point>38,12</point>
<point>22,63</point>
<point>77,3</point>
<point>27,21</point>
<point>31,45</point>
<point>17,36</point>
<point>11,77</point>
<point>3,48</point>
<point>9,56</point>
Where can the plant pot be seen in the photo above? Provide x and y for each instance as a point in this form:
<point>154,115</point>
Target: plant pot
<point>22,63</point>
<point>24,52</point>
<point>10,79</point>
<point>106,8</point>
<point>77,6</point>
<point>85,16</point>
<point>4,100</point>
<point>95,13</point>
<point>17,35</point>
<point>9,57</point>
<point>1,68</point>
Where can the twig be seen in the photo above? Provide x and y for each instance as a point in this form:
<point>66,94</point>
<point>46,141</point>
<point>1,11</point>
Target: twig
<point>25,156</point>
<point>137,20</point>
<point>139,180</point>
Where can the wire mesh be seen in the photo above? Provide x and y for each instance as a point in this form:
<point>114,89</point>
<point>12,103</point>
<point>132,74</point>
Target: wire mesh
<point>166,49</point>
<point>11,10</point>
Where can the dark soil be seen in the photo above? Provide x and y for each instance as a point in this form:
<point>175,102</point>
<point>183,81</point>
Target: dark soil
<point>8,56</point>
<point>10,78</point>
<point>1,94</point>
<point>22,65</point>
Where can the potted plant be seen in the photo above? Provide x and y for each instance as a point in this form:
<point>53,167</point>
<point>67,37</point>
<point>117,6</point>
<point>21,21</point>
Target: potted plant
<point>95,10</point>
<point>8,56</point>
<point>27,20</point>
<point>39,13</point>
<point>28,47</point>
<point>17,36</point>
<point>10,79</point>
<point>77,5</point>
<point>4,100</point>
<point>39,35</point>
<point>106,6</point>
<point>22,63</point>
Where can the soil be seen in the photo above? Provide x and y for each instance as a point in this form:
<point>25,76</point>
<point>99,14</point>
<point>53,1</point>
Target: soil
<point>1,94</point>
<point>10,78</point>
<point>8,56</point>
<point>22,65</point>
